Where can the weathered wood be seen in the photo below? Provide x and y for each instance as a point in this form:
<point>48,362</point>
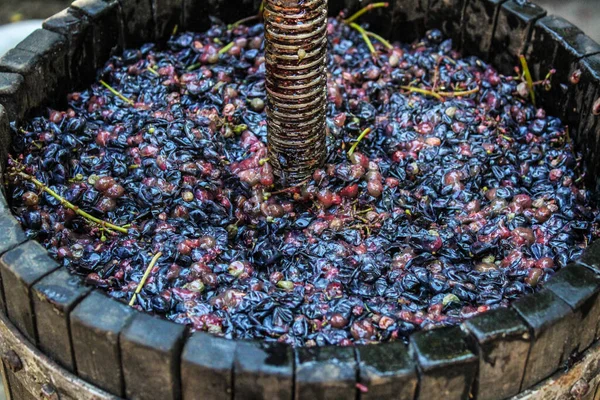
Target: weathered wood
<point>54,296</point>
<point>512,33</point>
<point>104,36</point>
<point>207,367</point>
<point>447,16</point>
<point>579,381</point>
<point>580,289</point>
<point>167,15</point>
<point>5,141</point>
<point>387,371</point>
<point>96,323</point>
<point>195,15</point>
<point>25,64</point>
<point>503,342</point>
<point>75,27</point>
<point>36,369</point>
<point>479,24</point>
<point>12,95</point>
<point>591,257</point>
<point>12,236</point>
<point>325,373</point>
<point>446,365</point>
<point>150,353</point>
<point>557,44</point>
<point>579,117</point>
<point>587,93</point>
<point>12,233</point>
<point>40,59</point>
<point>550,320</point>
<point>17,388</point>
<point>5,383</point>
<point>21,268</point>
<point>408,19</point>
<point>378,20</point>
<point>263,370</point>
<point>52,47</point>
<point>136,17</point>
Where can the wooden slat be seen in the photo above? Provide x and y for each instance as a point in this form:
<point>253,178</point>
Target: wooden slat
<point>513,31</point>
<point>21,268</point>
<point>96,323</point>
<point>263,370</point>
<point>54,296</point>
<point>326,373</point>
<point>445,363</point>
<point>150,354</point>
<point>387,371</point>
<point>550,320</point>
<point>503,341</point>
<point>207,367</point>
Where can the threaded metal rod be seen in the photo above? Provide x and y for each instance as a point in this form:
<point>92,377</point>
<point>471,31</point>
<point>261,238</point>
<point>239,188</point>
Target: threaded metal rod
<point>295,55</point>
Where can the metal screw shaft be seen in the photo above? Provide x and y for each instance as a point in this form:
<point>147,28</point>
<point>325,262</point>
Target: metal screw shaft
<point>296,51</point>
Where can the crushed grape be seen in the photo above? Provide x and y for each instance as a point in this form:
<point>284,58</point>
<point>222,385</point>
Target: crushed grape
<point>453,204</point>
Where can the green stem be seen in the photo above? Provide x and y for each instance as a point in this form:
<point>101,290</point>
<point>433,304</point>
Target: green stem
<point>422,91</point>
<point>360,137</point>
<point>527,76</point>
<point>71,206</point>
<point>144,277</point>
<point>226,48</point>
<point>459,93</point>
<point>116,93</point>
<point>153,71</point>
<point>384,42</point>
<point>365,9</point>
<point>363,33</point>
<point>244,20</point>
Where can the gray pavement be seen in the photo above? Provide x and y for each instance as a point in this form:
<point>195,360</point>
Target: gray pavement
<point>11,34</point>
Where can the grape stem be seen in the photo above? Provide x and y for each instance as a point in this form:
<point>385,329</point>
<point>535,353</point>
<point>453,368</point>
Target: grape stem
<point>360,137</point>
<point>144,278</point>
<point>381,40</point>
<point>365,37</point>
<point>365,34</point>
<point>422,91</point>
<point>250,18</point>
<point>153,71</point>
<point>440,95</point>
<point>527,77</point>
<point>459,93</point>
<point>116,93</point>
<point>226,48</point>
<point>363,10</point>
<point>222,51</point>
<point>106,225</point>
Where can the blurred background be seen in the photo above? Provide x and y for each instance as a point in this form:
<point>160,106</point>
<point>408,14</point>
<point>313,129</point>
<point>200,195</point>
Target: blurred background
<point>19,17</point>
<point>583,13</point>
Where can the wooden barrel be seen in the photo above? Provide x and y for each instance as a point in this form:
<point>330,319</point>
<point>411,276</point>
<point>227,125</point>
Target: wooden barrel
<point>62,340</point>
